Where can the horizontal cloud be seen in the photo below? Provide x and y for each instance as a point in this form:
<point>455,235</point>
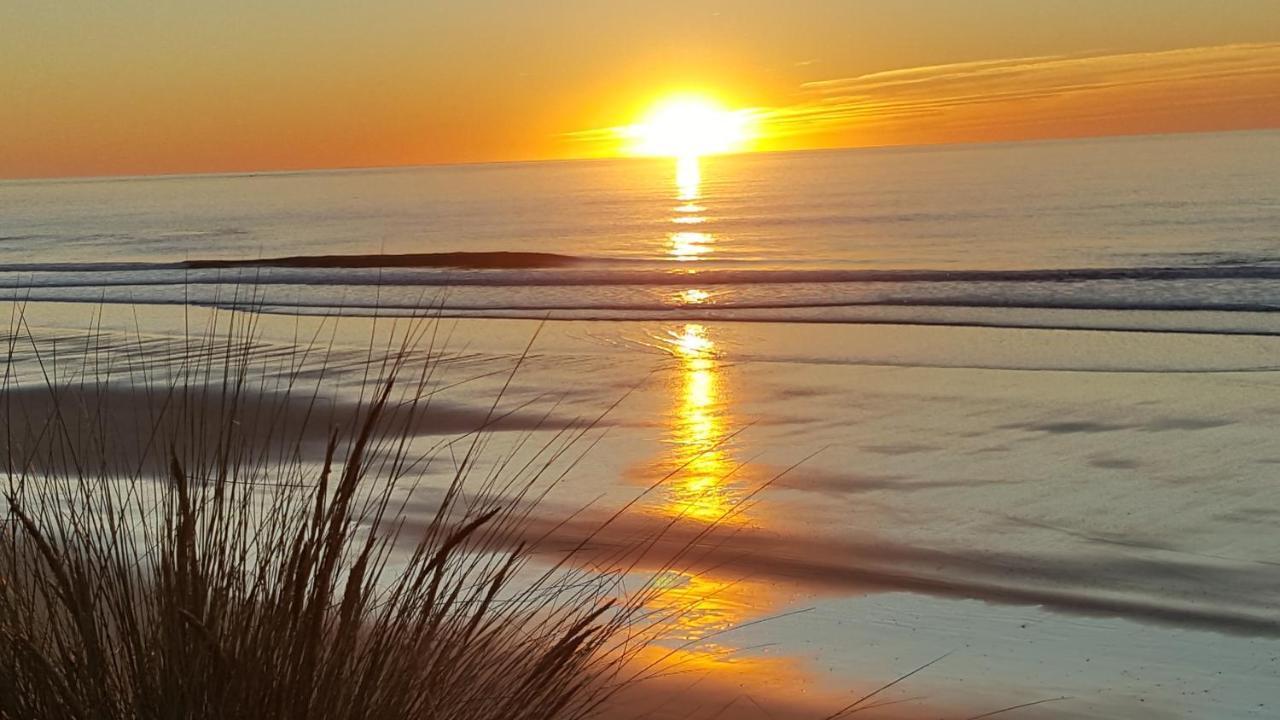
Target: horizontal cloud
<point>1220,87</point>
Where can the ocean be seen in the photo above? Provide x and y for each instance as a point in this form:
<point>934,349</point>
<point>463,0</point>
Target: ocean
<point>1014,404</point>
<point>941,235</point>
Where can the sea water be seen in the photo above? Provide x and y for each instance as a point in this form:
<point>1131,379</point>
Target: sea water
<point>936,234</point>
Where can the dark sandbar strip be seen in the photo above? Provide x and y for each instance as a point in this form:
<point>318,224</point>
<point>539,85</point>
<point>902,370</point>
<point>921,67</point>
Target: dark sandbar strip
<point>502,260</point>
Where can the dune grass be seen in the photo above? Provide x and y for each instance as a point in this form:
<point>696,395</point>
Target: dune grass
<point>216,561</point>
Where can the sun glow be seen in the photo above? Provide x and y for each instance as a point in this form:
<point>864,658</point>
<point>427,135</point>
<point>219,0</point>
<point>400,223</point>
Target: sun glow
<point>690,127</point>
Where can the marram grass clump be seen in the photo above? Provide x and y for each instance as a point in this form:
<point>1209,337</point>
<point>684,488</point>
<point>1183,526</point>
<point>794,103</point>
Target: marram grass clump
<point>205,557</point>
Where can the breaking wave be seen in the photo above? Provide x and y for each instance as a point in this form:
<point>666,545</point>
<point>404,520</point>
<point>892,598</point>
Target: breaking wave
<point>559,286</point>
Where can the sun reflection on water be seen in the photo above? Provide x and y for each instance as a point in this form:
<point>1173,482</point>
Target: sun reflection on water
<point>692,296</point>
<point>702,487</point>
<point>690,245</point>
<point>707,605</point>
<point>686,245</point>
<point>705,483</point>
<point>689,177</point>
<point>702,612</point>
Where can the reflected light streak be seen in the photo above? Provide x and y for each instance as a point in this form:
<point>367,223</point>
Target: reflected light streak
<point>700,610</point>
<point>702,489</point>
<point>690,245</point>
<point>706,605</point>
<point>689,220</point>
<point>693,342</point>
<point>692,297</point>
<point>688,177</point>
<point>700,613</point>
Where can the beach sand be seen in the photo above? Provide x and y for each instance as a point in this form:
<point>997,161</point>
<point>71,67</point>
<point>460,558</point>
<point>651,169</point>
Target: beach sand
<point>1062,514</point>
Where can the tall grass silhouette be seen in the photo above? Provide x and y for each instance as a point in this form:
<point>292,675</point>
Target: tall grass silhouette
<point>219,535</point>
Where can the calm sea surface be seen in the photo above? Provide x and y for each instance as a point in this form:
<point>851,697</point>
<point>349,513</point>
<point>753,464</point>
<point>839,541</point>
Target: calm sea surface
<point>939,234</point>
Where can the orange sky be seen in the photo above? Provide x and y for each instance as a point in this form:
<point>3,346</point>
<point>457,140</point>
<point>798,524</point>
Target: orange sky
<point>138,86</point>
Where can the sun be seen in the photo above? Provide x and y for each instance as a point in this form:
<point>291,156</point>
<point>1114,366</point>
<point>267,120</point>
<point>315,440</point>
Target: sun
<point>690,126</point>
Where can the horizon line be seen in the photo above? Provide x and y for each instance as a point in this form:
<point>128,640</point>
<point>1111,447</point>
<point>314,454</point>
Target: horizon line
<point>606,158</point>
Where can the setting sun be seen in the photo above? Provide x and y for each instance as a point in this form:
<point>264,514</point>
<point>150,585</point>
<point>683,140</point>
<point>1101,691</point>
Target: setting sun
<point>690,126</point>
<point>681,359</point>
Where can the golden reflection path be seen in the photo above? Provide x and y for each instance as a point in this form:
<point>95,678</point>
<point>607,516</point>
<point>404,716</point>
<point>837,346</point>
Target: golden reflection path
<point>704,610</point>
<point>686,243</point>
<point>705,485</point>
<point>688,177</point>
<point>702,488</point>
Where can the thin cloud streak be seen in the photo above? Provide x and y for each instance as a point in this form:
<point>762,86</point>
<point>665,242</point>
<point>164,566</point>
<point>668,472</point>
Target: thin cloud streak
<point>1214,86</point>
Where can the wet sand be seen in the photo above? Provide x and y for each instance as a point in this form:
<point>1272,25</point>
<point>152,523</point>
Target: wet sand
<point>1081,514</point>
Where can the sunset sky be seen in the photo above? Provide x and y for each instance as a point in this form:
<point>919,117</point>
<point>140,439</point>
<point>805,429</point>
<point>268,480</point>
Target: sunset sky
<point>136,87</point>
